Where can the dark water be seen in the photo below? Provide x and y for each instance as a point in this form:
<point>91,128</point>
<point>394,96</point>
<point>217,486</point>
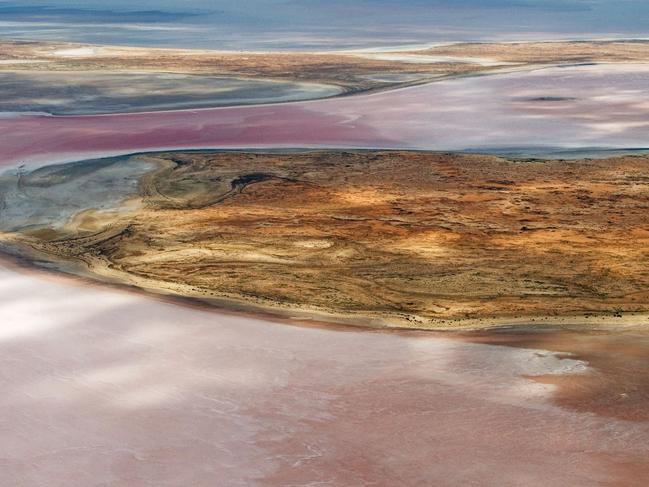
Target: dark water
<point>305,24</point>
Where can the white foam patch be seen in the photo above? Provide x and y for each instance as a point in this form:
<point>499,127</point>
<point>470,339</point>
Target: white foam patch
<point>76,52</point>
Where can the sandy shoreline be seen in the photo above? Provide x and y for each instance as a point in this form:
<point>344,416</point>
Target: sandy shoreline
<point>302,318</point>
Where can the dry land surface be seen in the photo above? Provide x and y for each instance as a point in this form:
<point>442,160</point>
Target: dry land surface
<point>388,238</point>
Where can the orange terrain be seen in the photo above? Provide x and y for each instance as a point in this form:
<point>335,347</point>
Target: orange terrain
<point>408,239</point>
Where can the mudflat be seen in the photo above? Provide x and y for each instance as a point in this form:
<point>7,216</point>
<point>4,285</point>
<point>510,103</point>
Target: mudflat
<point>386,238</point>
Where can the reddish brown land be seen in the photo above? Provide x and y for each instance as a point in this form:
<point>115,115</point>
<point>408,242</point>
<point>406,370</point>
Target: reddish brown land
<point>387,238</point>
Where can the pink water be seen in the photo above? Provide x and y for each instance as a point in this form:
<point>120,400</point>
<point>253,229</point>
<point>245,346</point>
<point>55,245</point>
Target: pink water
<point>586,106</point>
<point>104,388</point>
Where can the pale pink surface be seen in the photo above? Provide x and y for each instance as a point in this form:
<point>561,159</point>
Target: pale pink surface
<point>587,106</point>
<point>104,388</point>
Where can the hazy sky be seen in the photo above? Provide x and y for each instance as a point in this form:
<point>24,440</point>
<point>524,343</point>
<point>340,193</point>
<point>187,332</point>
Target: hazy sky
<point>271,24</point>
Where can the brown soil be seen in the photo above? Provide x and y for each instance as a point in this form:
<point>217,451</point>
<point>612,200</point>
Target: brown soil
<point>401,238</point>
